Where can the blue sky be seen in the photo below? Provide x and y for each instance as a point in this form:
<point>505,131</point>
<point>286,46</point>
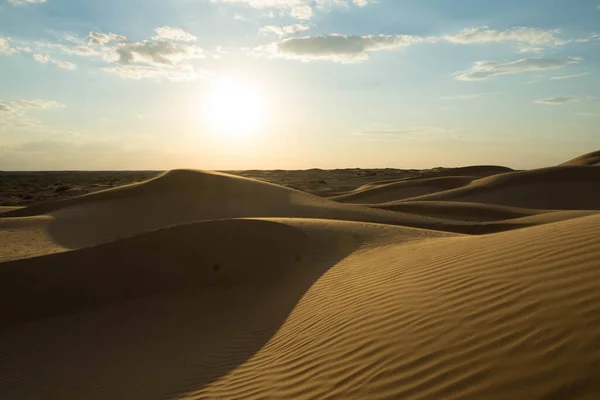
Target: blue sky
<point>243,84</point>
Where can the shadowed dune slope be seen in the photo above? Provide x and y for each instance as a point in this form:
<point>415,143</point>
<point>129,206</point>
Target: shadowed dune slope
<point>586,159</point>
<point>165,312</point>
<point>301,309</point>
<point>461,211</point>
<point>560,188</point>
<point>402,190</point>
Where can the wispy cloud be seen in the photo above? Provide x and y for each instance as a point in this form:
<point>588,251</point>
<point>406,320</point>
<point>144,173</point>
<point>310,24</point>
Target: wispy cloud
<point>175,34</point>
<point>488,69</point>
<point>407,131</point>
<point>29,104</point>
<point>13,113</point>
<point>569,76</point>
<point>46,59</point>
<point>100,39</point>
<point>299,9</point>
<point>176,74</point>
<point>5,47</point>
<point>284,30</point>
<point>466,96</point>
<point>24,2</point>
<point>558,101</point>
<point>522,35</point>
<point>532,50</point>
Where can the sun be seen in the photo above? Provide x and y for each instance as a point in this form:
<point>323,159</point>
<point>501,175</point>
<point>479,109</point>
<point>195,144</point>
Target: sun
<point>235,109</point>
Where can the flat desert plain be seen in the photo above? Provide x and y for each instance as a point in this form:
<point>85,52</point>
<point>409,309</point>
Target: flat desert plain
<point>466,283</point>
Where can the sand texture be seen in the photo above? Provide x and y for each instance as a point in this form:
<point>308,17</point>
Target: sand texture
<point>471,283</point>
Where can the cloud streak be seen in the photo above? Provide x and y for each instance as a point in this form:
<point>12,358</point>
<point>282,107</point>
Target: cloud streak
<point>285,30</point>
<point>299,9</point>
<point>522,35</point>
<point>46,59</point>
<point>483,70</point>
<point>413,131</point>
<point>569,76</point>
<point>25,2</point>
<point>558,101</point>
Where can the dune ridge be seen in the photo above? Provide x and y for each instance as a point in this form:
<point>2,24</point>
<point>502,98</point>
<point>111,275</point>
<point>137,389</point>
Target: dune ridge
<point>203,285</point>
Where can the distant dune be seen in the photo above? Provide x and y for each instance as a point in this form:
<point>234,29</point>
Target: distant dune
<point>403,189</point>
<point>480,284</point>
<point>586,159</point>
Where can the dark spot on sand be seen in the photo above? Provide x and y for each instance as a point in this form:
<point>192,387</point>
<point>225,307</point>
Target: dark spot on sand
<point>216,267</point>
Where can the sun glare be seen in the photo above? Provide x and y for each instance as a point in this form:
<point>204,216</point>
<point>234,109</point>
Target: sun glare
<point>235,109</point>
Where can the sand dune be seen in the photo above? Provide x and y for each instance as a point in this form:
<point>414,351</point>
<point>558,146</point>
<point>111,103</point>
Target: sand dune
<point>201,285</point>
<point>403,189</point>
<point>184,196</point>
<point>463,211</point>
<point>561,188</point>
<point>475,171</point>
<point>586,159</point>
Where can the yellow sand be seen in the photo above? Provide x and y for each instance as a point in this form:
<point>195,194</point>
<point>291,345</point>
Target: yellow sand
<point>199,285</point>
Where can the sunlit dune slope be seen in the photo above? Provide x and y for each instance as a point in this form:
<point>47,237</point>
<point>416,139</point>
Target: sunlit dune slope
<point>512,315</point>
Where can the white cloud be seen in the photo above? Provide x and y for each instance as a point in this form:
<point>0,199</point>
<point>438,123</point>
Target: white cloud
<point>99,39</point>
<point>349,48</point>
<point>533,50</point>
<point>160,57</point>
<point>5,47</point>
<point>45,59</point>
<point>488,69</point>
<point>176,34</point>
<point>569,76</point>
<point>303,12</point>
<point>532,36</point>
<point>342,48</point>
<point>23,2</point>
<point>159,51</point>
<point>558,101</point>
<point>284,30</point>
